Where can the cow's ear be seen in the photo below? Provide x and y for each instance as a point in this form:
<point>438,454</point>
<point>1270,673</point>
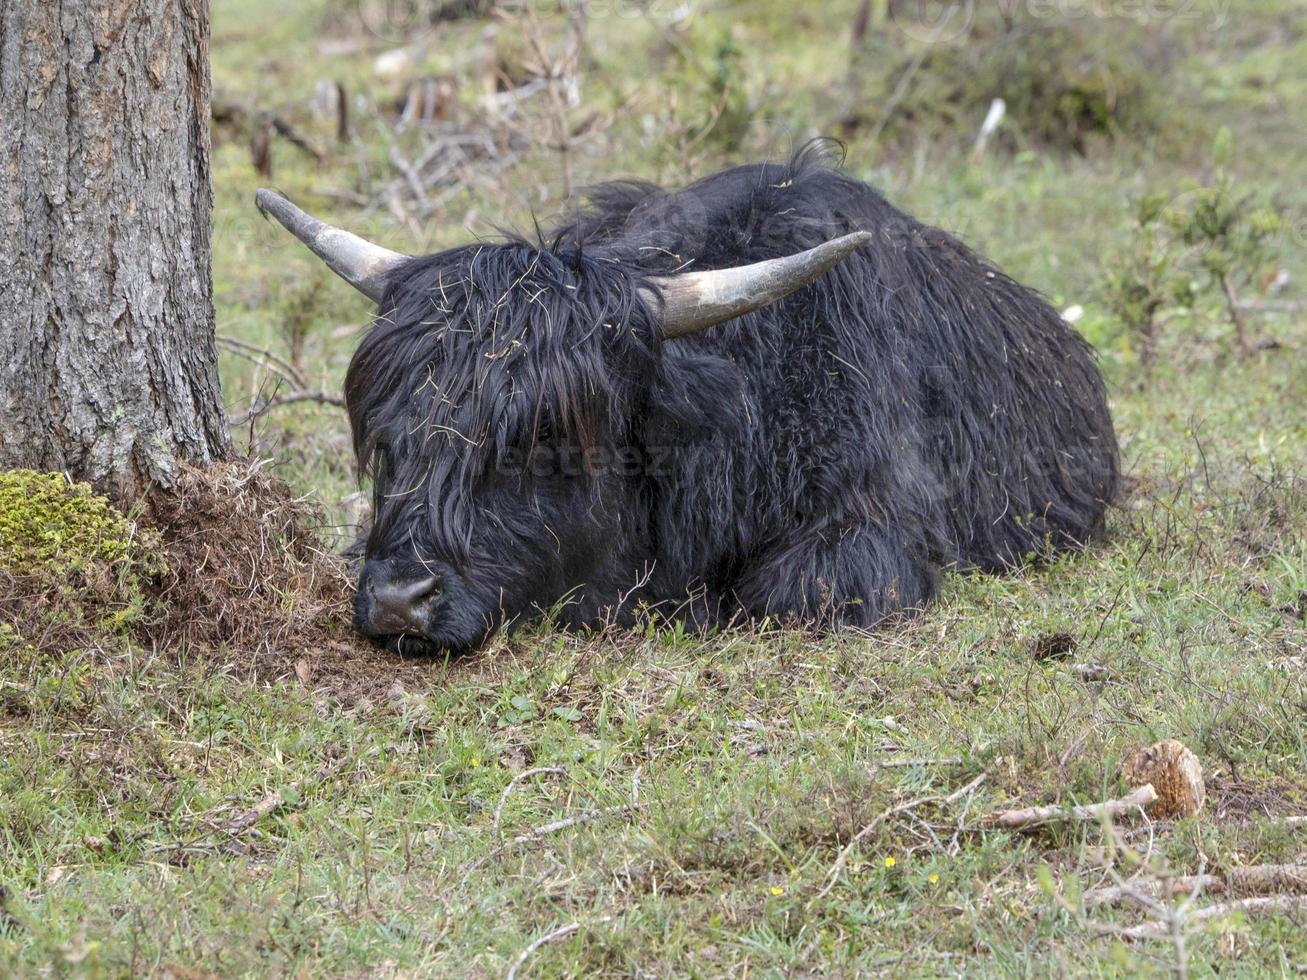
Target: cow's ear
<point>696,395</point>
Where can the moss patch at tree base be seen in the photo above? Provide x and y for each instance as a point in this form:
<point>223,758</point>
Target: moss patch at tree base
<point>73,570</point>
<point>227,559</point>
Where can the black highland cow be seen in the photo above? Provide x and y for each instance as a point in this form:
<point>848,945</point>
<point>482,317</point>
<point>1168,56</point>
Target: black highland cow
<point>600,423</point>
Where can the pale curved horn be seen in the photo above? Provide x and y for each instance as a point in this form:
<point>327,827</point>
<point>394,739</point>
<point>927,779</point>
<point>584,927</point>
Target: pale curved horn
<point>695,301</point>
<point>356,260</point>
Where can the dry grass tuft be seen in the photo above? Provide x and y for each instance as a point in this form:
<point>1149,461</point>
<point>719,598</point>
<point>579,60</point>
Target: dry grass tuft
<point>244,569</point>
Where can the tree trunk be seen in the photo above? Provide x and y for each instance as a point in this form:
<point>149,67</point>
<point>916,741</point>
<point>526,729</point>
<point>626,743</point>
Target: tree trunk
<point>108,368</point>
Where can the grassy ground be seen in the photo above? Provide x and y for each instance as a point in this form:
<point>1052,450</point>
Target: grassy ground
<point>673,805</point>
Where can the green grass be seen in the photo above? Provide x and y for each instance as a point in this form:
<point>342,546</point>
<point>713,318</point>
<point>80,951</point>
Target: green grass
<point>732,770</point>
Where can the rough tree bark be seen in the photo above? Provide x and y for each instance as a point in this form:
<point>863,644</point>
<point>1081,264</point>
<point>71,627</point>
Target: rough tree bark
<point>108,368</point>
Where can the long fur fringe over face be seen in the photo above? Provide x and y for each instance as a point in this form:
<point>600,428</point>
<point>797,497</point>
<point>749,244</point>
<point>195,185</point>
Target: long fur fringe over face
<point>532,442</point>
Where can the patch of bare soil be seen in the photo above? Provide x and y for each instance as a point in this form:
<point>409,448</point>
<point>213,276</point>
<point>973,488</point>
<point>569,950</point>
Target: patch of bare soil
<point>249,586</point>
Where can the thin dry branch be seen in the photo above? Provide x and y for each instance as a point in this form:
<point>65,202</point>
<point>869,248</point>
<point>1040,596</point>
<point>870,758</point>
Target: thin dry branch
<point>264,358</point>
<point>832,876</point>
<point>1259,906</point>
<point>548,937</point>
<point>290,398</point>
<point>512,784</point>
<point>545,830</point>
<point>1170,921</point>
<point>912,763</point>
<point>276,799</point>
<point>293,136</point>
<point>451,158</point>
<point>268,125</point>
<point>1258,879</point>
<point>1034,816</point>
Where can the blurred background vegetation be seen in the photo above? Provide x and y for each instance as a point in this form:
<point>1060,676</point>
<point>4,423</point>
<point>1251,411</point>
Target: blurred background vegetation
<point>1146,169</point>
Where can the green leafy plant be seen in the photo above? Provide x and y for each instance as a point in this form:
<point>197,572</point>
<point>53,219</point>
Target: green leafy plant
<point>520,709</point>
<point>1233,238</point>
<point>729,116</point>
<point>1210,239</point>
<point>1144,280</point>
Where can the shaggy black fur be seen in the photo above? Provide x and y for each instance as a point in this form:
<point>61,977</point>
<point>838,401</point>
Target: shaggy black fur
<point>533,443</point>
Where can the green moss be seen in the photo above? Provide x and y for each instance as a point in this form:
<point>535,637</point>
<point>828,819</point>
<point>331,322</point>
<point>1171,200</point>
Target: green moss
<point>49,526</point>
<point>76,561</point>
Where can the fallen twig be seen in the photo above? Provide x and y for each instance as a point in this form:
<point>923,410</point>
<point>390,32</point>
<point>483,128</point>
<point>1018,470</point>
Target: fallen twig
<point>1033,816</point>
<point>548,937</point>
<point>512,784</point>
<point>274,800</point>
<point>1258,879</point>
<point>910,763</point>
<point>833,874</point>
<point>544,830</point>
<point>955,842</point>
<point>293,136</point>
<point>1162,930</point>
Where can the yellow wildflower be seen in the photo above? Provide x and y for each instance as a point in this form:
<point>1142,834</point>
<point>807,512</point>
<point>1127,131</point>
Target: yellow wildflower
<point>890,862</point>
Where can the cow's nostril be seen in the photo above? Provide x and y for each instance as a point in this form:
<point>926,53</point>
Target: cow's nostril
<point>402,606</point>
<point>414,592</point>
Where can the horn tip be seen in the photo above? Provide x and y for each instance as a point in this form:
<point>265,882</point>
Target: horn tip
<point>264,199</point>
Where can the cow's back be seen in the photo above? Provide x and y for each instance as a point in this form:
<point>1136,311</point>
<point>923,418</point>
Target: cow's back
<point>913,386</point>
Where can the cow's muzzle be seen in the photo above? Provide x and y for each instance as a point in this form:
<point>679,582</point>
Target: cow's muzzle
<point>392,604</point>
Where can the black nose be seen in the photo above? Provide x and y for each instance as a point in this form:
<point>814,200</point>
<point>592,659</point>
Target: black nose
<point>398,605</point>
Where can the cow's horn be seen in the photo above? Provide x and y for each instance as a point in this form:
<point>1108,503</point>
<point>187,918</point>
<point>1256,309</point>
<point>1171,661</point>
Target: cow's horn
<point>356,260</point>
<point>694,301</point>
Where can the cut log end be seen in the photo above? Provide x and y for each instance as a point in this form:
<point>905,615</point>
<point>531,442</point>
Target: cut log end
<point>1174,772</point>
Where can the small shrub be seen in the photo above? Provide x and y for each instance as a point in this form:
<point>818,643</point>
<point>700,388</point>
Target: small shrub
<point>1144,279</point>
<point>302,306</point>
<point>1233,238</point>
<point>1209,236</point>
<point>708,111</point>
<point>727,99</point>
<point>1068,85</point>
